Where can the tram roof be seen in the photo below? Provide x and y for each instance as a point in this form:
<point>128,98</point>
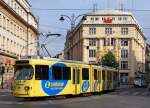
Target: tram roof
<point>67,61</point>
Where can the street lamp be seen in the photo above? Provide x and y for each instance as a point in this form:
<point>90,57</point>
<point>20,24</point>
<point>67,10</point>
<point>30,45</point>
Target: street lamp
<point>72,19</point>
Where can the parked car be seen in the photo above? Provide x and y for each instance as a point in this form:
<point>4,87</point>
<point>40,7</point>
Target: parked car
<point>140,82</point>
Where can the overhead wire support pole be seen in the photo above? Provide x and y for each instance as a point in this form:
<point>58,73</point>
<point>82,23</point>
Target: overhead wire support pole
<point>38,40</point>
<point>43,46</point>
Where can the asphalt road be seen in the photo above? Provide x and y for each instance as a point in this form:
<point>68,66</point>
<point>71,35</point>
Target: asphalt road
<point>122,98</point>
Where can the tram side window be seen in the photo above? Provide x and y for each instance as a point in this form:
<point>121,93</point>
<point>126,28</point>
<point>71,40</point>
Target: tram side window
<point>56,73</point>
<point>41,72</point>
<point>103,75</point>
<point>66,73</point>
<point>115,77</point>
<point>95,74</point>
<point>61,73</point>
<point>111,77</point>
<point>85,74</point>
<point>108,75</point>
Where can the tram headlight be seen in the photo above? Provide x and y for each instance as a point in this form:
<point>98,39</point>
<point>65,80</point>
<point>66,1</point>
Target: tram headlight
<point>26,88</point>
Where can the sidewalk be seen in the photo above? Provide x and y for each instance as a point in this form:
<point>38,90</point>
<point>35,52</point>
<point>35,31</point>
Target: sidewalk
<point>4,90</point>
<point>126,86</point>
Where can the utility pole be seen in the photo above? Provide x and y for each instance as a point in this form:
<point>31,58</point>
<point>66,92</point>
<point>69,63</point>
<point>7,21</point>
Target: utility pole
<point>38,40</point>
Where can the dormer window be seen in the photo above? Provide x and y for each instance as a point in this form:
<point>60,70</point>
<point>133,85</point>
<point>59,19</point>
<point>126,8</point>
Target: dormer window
<point>125,18</point>
<point>92,19</point>
<point>96,19</point>
<point>113,18</point>
<point>119,18</point>
<point>103,18</point>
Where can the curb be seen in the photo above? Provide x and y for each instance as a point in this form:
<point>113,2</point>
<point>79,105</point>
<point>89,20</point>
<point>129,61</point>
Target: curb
<point>4,90</point>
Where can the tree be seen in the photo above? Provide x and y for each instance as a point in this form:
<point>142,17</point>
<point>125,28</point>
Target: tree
<point>109,59</point>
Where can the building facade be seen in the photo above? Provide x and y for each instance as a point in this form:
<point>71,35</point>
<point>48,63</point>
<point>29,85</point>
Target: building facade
<point>18,34</point>
<point>147,62</point>
<point>109,30</point>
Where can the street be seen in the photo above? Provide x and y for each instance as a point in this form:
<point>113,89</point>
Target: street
<point>121,98</point>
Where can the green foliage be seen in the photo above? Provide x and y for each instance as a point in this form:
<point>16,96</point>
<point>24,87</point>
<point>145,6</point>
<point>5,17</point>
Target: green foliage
<point>109,59</point>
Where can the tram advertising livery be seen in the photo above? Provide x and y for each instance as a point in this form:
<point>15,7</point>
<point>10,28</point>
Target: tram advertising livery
<point>53,77</point>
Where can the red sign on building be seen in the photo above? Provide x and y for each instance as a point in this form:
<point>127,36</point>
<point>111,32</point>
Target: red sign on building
<point>7,61</point>
<point>108,20</point>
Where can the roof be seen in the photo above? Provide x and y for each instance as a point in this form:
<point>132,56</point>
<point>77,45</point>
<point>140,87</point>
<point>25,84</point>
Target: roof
<point>109,12</point>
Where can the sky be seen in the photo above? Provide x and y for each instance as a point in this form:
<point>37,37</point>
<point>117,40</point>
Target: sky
<point>49,12</point>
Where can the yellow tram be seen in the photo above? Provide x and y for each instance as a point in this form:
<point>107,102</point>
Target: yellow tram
<point>41,78</point>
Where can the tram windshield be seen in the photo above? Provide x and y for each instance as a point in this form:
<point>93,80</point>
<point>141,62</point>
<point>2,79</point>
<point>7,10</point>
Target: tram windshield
<point>24,72</point>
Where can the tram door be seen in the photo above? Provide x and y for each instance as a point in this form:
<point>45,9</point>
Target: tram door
<point>76,80</point>
<point>97,80</point>
<point>104,84</point>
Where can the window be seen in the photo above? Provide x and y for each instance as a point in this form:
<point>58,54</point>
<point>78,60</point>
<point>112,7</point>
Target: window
<point>92,19</point>
<point>111,77</point>
<point>61,73</point>
<point>56,73</point>
<point>109,41</point>
<point>96,19</point>
<point>124,78</point>
<point>124,31</point>
<point>125,18</point>
<point>108,31</point>
<point>92,53</point>
<point>113,18</point>
<point>23,72</point>
<point>115,76</point>
<point>119,18</point>
<point>0,20</point>
<point>66,73</point>
<point>124,53</point>
<point>92,42</point>
<point>103,74</point>
<point>85,74</point>
<point>104,42</point>
<point>113,41</point>
<point>108,75</point>
<point>124,42</point>
<point>92,31</point>
<point>103,18</point>
<point>124,65</point>
<point>4,22</point>
<point>41,72</point>
<point>95,74</point>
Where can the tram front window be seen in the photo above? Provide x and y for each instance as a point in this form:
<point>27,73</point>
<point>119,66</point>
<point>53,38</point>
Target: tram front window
<point>23,72</point>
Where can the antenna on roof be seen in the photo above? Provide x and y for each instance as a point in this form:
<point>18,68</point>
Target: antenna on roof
<point>95,6</point>
<point>121,5</point>
<point>132,4</point>
<point>108,5</point>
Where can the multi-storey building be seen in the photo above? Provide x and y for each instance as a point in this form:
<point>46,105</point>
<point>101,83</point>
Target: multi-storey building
<point>114,30</point>
<point>18,33</point>
<point>147,61</point>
